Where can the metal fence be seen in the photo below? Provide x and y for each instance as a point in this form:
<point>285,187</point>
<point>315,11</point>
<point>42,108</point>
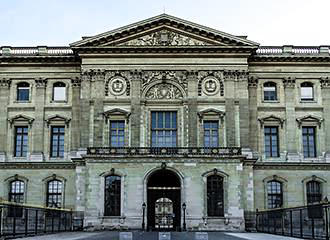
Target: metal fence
<point>310,222</point>
<point>22,220</point>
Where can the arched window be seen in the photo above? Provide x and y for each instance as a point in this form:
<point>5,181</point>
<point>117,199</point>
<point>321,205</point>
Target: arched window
<point>23,91</point>
<point>274,194</point>
<point>54,193</point>
<point>215,200</point>
<point>112,193</point>
<point>270,93</point>
<point>59,91</point>
<point>313,191</point>
<point>16,194</point>
<point>306,91</point>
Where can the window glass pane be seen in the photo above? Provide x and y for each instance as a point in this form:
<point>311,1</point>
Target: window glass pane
<point>163,124</point>
<point>23,94</point>
<point>306,93</point>
<point>117,133</point>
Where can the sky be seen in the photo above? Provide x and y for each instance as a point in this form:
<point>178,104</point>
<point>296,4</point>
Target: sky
<point>61,22</point>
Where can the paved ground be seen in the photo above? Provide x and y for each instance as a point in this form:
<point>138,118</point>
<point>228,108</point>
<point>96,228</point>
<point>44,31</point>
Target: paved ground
<point>154,236</point>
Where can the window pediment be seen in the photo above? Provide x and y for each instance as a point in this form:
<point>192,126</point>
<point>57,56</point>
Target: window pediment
<point>58,119</point>
<point>271,118</point>
<point>116,112</point>
<point>210,112</point>
<point>309,119</point>
<point>20,118</point>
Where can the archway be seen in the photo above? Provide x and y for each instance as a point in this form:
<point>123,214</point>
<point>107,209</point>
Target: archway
<point>164,201</point>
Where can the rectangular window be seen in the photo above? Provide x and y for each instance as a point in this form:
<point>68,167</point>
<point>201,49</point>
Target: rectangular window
<point>163,129</point>
<point>21,141</point>
<point>117,133</point>
<point>309,143</point>
<point>271,142</point>
<point>57,141</point>
<point>211,134</point>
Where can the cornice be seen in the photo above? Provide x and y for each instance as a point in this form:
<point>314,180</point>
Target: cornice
<point>41,165</point>
<point>291,166</point>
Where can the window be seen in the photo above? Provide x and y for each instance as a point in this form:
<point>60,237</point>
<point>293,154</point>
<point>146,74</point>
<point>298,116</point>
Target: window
<point>23,91</point>
<point>21,141</point>
<point>16,194</point>
<point>271,141</point>
<point>270,93</point>
<point>215,203</point>
<point>57,142</point>
<point>274,194</point>
<point>163,129</point>
<point>54,194</point>
<point>307,91</point>
<point>117,133</point>
<point>59,91</point>
<point>314,194</point>
<point>309,144</point>
<point>211,134</point>
<point>112,195</point>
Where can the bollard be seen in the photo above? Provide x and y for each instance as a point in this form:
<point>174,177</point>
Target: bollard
<point>201,236</point>
<point>164,236</point>
<point>125,236</point>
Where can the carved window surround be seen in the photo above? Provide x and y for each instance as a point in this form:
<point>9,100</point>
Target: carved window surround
<point>284,183</point>
<point>271,120</point>
<point>57,119</point>
<point>116,113</point>
<point>15,178</point>
<point>211,114</point>
<point>20,120</point>
<point>45,186</point>
<point>309,120</point>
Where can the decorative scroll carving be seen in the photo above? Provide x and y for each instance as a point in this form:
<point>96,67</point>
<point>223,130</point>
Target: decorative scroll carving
<point>309,119</point>
<point>117,83</point>
<point>253,81</point>
<point>41,83</point>
<point>325,82</point>
<point>164,91</point>
<point>235,75</point>
<point>179,77</point>
<point>289,82</point>
<point>5,83</point>
<point>210,83</point>
<point>164,38</point>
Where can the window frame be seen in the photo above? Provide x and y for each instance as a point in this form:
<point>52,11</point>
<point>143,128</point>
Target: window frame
<point>272,194</point>
<point>16,127</point>
<point>117,129</point>
<point>304,85</point>
<point>264,91</point>
<point>308,141</point>
<point>271,141</point>
<point>18,88</point>
<point>65,91</point>
<point>313,194</point>
<point>58,134</point>
<point>116,212</point>
<point>220,212</point>
<point>59,195</point>
<point>211,135</point>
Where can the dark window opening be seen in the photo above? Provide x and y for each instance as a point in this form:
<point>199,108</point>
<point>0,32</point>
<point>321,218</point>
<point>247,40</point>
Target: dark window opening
<point>21,141</point>
<point>274,194</point>
<point>309,142</point>
<point>16,194</point>
<point>112,195</point>
<point>215,199</point>
<point>271,142</point>
<point>57,141</point>
<point>54,194</point>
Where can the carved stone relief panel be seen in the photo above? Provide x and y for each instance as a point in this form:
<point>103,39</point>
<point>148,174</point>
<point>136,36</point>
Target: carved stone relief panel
<point>210,83</point>
<point>164,91</point>
<point>117,83</point>
<point>164,38</point>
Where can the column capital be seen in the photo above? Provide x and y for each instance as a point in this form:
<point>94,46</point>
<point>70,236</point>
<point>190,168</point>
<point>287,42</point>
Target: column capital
<point>76,82</point>
<point>253,82</point>
<point>289,82</point>
<point>5,83</point>
<point>325,82</point>
<point>235,75</point>
<point>41,82</point>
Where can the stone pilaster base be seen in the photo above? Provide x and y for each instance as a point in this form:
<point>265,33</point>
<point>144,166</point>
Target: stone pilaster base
<point>2,156</point>
<point>293,157</point>
<point>37,157</point>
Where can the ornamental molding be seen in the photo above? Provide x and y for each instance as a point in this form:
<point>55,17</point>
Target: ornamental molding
<point>41,83</point>
<point>325,82</point>
<point>76,82</point>
<point>210,111</point>
<point>309,119</point>
<point>271,118</point>
<point>57,118</point>
<point>148,77</point>
<point>253,81</point>
<point>295,166</point>
<point>93,74</point>
<point>20,118</point>
<point>164,90</point>
<point>9,165</point>
<point>5,83</point>
<point>289,82</point>
<point>117,83</point>
<point>210,83</point>
<point>116,112</point>
<point>235,75</point>
<point>164,38</point>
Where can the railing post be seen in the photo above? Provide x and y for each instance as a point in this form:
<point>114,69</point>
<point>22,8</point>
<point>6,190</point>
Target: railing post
<point>26,221</point>
<point>0,221</point>
<point>313,233</point>
<point>291,225</point>
<point>257,220</point>
<point>59,221</point>
<point>71,221</point>
<point>52,211</point>
<point>301,224</point>
<point>282,221</point>
<point>14,221</point>
<point>36,225</point>
<point>65,216</point>
<point>326,223</point>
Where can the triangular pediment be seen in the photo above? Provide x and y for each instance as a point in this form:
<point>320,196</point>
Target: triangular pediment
<point>163,30</point>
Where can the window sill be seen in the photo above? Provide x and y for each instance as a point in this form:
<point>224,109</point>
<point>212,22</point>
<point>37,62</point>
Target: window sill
<point>59,101</point>
<point>307,101</point>
<point>270,101</point>
<point>56,158</point>
<point>16,101</point>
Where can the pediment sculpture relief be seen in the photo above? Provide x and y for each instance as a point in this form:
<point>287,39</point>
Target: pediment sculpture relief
<point>164,91</point>
<point>164,38</point>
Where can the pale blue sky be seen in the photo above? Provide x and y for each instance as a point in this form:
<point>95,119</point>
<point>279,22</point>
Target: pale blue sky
<point>61,22</point>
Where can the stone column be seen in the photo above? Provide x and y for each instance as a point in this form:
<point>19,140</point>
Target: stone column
<point>38,124</point>
<point>253,129</point>
<point>75,121</point>
<point>135,118</point>
<point>85,109</point>
<point>325,86</point>
<point>229,77</point>
<point>4,100</point>
<point>291,125</point>
<point>98,98</point>
<point>192,92</point>
<point>244,113</point>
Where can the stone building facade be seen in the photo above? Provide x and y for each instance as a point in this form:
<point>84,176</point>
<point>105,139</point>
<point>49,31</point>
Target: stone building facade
<point>168,116</point>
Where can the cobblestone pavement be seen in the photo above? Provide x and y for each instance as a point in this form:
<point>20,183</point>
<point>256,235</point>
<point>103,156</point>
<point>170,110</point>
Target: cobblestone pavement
<point>154,236</point>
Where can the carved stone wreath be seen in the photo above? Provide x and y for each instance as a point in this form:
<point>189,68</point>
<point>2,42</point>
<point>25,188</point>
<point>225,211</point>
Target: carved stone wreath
<point>164,91</point>
<point>117,86</point>
<point>210,86</point>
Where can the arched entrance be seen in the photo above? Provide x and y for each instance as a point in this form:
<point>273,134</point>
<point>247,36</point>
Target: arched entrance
<point>164,201</point>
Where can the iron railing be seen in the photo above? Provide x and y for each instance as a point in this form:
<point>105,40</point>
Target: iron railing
<point>310,222</point>
<point>18,220</point>
<point>134,151</point>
